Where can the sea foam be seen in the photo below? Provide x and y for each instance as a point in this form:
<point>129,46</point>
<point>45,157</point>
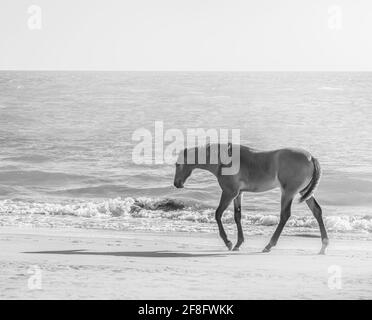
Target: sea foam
<point>156,211</point>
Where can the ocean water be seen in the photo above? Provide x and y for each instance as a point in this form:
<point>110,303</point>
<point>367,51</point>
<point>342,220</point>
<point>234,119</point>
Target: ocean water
<point>66,147</point>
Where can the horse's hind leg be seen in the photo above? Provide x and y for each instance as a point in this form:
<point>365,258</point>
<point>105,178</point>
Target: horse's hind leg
<point>224,203</point>
<point>285,213</point>
<point>317,212</point>
<point>237,218</point>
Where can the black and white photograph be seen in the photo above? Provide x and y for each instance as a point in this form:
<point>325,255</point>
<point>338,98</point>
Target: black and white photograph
<point>185,150</point>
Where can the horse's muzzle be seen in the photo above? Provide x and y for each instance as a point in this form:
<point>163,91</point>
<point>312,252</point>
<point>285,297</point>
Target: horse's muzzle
<point>178,184</point>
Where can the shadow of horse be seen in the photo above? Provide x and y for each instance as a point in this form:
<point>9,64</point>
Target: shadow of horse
<point>140,254</point>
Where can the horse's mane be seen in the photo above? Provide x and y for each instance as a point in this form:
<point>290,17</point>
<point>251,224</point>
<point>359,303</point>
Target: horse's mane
<point>207,148</point>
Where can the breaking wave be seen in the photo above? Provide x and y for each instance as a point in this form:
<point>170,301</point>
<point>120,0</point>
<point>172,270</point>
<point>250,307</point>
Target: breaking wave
<point>112,213</point>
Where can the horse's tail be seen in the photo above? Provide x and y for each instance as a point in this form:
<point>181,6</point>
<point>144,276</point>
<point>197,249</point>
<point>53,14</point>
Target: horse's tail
<point>309,190</point>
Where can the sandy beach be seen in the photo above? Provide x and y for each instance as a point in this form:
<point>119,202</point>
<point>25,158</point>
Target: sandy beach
<point>96,264</point>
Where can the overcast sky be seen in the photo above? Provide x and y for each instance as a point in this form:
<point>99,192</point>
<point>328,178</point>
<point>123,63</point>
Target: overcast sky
<point>187,35</point>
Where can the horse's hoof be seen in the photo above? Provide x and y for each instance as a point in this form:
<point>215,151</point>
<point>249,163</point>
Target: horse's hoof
<point>325,243</point>
<point>229,245</point>
<point>236,248</point>
<point>322,252</point>
<point>266,249</point>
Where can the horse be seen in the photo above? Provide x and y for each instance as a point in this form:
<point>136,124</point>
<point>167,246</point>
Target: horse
<point>294,171</point>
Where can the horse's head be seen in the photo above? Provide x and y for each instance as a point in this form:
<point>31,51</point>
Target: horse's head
<point>183,170</point>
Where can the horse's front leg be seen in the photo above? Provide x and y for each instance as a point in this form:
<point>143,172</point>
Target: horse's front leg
<point>225,201</point>
<point>237,218</point>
